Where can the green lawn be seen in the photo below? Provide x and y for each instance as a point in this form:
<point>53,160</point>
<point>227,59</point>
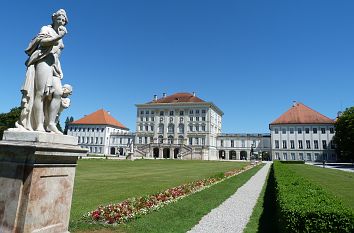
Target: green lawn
<point>339,183</point>
<point>110,181</point>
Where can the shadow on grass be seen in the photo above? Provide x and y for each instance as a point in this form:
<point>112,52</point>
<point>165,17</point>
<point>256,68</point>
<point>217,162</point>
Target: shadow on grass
<point>268,219</point>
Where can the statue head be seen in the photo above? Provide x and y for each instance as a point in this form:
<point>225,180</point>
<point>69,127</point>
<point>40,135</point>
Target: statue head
<point>67,90</point>
<point>60,12</point>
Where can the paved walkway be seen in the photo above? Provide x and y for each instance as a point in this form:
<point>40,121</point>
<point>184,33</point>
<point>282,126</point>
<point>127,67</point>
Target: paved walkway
<point>347,167</point>
<point>234,213</point>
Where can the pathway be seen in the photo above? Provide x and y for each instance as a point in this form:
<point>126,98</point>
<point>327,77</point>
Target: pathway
<point>234,213</point>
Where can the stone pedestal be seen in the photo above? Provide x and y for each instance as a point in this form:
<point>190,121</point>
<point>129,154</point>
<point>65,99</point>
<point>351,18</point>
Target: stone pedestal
<point>37,172</point>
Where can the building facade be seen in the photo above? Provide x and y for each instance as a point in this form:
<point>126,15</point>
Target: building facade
<point>301,133</point>
<point>101,134</point>
<point>243,146</point>
<point>178,126</point>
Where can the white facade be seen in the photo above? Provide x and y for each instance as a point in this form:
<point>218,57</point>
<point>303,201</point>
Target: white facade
<point>309,142</point>
<point>178,130</point>
<point>96,138</point>
<point>241,146</point>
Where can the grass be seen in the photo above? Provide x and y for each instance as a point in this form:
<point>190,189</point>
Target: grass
<point>339,183</point>
<point>110,181</point>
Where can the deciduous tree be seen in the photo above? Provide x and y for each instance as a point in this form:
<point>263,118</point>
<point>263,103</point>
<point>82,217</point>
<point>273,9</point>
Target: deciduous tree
<point>344,137</point>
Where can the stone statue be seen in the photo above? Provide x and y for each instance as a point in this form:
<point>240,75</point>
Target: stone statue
<point>43,96</point>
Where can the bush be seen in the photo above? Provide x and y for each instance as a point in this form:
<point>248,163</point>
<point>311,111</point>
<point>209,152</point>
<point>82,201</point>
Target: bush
<point>293,162</point>
<point>305,207</point>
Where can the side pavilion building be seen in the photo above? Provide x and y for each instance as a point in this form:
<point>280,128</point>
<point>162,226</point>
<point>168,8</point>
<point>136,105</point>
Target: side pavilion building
<point>302,133</point>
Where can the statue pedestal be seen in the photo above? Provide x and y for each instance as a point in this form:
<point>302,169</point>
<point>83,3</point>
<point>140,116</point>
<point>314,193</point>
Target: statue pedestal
<point>36,181</point>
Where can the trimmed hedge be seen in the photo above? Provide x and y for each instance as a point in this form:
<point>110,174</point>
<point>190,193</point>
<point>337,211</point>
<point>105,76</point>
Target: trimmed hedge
<point>293,162</point>
<point>305,207</point>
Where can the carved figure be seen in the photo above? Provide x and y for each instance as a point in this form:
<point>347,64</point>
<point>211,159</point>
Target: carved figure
<point>43,97</point>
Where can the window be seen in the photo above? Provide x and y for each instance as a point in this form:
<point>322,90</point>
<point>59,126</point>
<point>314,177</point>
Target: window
<point>190,118</point>
<point>161,128</point>
<point>315,144</point>
<point>232,143</point>
<point>317,156</point>
<point>196,141</point>
<point>161,119</point>
<point>181,119</point>
<point>307,130</point>
<point>79,140</point>
<point>161,113</point>
<point>203,141</point>
<point>276,155</point>
<point>180,139</point>
<point>196,111</point>
<point>314,130</point>
<point>87,140</point>
<point>145,140</point>
<point>291,130</point>
<point>203,111</point>
<point>190,141</point>
<point>292,156</point>
<point>181,128</point>
<point>91,140</point>
<point>292,144</point>
<point>171,128</point>
<point>197,118</point>
<point>141,118</point>
<point>152,128</point>
<point>221,142</point>
<point>308,156</point>
<point>141,112</point>
<point>190,111</point>
<point>171,119</point>
<point>308,144</point>
<point>146,118</point>
<point>170,139</point>
<point>141,127</point>
<point>171,113</point>
<point>323,130</point>
<point>299,130</point>
<point>276,130</point>
<point>181,113</point>
<point>324,144</point>
<point>160,139</point>
<point>277,144</point>
<point>146,112</point>
<point>191,128</point>
<point>331,130</point>
<point>146,128</point>
<point>300,144</point>
<point>140,140</point>
<point>203,118</point>
<point>285,156</point>
<point>243,144</point>
<point>96,141</point>
<point>283,131</point>
<point>203,127</point>
<point>197,128</point>
<point>284,144</point>
<point>152,113</point>
<point>301,156</point>
<point>120,141</point>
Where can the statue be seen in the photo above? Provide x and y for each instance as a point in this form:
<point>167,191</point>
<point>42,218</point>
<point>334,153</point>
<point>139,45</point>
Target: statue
<point>43,96</point>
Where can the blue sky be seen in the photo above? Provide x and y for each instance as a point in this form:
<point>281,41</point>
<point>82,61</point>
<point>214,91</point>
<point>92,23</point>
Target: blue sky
<point>251,58</point>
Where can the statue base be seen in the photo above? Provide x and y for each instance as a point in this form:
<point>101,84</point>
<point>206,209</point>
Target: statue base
<point>37,174</point>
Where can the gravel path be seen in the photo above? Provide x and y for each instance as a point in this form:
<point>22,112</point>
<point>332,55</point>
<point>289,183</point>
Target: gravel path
<point>234,213</point>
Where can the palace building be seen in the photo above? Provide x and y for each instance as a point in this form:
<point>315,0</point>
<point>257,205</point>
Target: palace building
<point>301,133</point>
<point>178,126</point>
<point>184,126</point>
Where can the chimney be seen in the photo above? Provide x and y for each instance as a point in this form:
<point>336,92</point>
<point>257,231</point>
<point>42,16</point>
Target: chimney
<point>294,103</point>
<point>155,97</point>
<point>193,93</point>
<point>164,95</point>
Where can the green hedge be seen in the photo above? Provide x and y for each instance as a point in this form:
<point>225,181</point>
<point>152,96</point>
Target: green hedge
<point>293,162</point>
<point>305,207</point>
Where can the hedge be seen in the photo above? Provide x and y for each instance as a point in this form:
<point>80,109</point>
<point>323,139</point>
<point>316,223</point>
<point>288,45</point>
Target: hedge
<point>293,162</point>
<point>305,207</point>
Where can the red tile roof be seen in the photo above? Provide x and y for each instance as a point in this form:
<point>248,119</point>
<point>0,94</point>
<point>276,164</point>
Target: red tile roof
<point>100,117</point>
<point>178,98</point>
<point>301,114</point>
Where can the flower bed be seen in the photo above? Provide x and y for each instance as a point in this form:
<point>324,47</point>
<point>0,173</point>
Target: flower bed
<point>134,207</point>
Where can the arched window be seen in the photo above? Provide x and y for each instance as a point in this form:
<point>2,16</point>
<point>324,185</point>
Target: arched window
<point>181,128</point>
<point>170,139</point>
<point>171,128</point>
<point>180,139</point>
<point>161,128</point>
<point>160,139</point>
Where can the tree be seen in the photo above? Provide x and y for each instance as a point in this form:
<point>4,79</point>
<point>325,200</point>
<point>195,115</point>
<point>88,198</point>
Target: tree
<point>344,137</point>
<point>7,120</point>
<point>67,122</point>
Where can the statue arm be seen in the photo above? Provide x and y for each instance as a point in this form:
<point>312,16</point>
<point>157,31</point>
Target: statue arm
<point>48,40</point>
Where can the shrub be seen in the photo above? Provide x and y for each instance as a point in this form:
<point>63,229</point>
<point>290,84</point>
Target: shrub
<point>294,162</point>
<point>305,207</point>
